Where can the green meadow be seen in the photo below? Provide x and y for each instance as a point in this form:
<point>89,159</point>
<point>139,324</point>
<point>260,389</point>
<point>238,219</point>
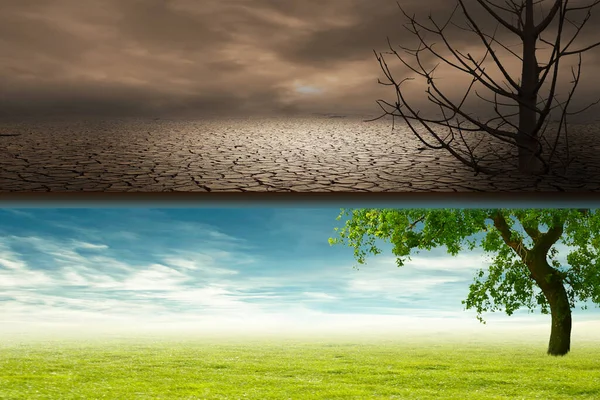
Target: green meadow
<point>294,369</point>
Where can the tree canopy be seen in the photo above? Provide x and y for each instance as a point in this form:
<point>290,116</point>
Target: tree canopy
<point>524,271</point>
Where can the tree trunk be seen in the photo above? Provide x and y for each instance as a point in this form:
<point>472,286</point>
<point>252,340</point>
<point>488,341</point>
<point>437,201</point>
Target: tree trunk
<point>527,141</point>
<point>527,135</point>
<point>551,283</point>
<point>560,310</point>
<point>560,335</point>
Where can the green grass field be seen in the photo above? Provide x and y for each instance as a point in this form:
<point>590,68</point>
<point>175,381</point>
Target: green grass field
<point>286,369</point>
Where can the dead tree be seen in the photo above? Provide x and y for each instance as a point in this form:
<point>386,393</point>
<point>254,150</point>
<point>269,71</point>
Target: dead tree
<point>520,111</point>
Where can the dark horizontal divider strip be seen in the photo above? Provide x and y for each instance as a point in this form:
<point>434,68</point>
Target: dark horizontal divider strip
<point>307,199</point>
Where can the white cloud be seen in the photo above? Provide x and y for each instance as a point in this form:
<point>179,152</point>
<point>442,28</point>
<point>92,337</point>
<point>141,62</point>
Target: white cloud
<point>209,295</point>
<point>16,273</point>
<point>73,277</point>
<point>381,277</point>
<point>61,251</point>
<point>31,307</point>
<point>181,263</point>
<point>25,279</point>
<point>463,262</point>
<point>89,246</point>
<point>222,236</point>
<point>87,276</point>
<point>18,213</point>
<point>201,262</point>
<point>155,277</point>
<point>319,295</point>
<point>211,300</point>
<point>9,259</point>
<point>27,315</point>
<point>199,291</point>
<point>397,287</point>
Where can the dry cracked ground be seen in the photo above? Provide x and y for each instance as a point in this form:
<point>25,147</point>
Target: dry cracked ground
<point>320,154</point>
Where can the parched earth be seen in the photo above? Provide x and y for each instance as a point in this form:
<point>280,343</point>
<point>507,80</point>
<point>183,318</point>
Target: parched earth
<point>253,154</point>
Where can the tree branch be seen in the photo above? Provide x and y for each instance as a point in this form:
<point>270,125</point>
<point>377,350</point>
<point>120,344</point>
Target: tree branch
<point>507,25</point>
<point>504,229</point>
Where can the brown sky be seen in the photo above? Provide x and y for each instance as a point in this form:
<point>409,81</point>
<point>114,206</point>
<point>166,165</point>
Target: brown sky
<point>196,57</point>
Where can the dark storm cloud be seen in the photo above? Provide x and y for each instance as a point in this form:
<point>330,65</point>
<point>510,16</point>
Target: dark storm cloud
<point>155,57</point>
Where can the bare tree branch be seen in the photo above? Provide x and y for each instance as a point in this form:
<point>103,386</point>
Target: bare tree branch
<point>507,25</point>
<point>521,114</point>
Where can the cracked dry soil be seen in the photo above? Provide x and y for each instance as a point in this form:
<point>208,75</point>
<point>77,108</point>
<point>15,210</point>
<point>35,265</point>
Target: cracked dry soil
<point>252,154</point>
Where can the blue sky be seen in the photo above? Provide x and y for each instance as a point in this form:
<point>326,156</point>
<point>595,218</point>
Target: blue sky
<point>235,270</point>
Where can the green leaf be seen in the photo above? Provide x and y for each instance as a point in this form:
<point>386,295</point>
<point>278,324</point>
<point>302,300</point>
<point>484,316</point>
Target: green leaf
<point>508,284</point>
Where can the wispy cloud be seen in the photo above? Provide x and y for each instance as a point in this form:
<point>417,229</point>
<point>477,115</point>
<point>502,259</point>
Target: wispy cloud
<point>155,277</point>
<point>207,261</point>
<point>397,286</point>
<point>89,246</point>
<point>18,213</point>
<point>210,278</point>
<point>10,260</point>
<point>319,296</point>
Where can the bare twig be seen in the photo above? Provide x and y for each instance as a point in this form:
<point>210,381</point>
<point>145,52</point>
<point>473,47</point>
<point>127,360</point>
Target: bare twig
<point>521,113</point>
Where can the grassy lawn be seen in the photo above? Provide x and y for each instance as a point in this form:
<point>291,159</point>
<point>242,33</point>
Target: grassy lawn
<point>186,369</point>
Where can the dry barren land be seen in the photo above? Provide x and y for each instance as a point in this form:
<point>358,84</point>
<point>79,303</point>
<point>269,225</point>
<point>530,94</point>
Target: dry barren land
<point>320,154</point>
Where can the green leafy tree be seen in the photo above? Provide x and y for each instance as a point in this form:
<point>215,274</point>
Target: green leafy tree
<point>524,271</point>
